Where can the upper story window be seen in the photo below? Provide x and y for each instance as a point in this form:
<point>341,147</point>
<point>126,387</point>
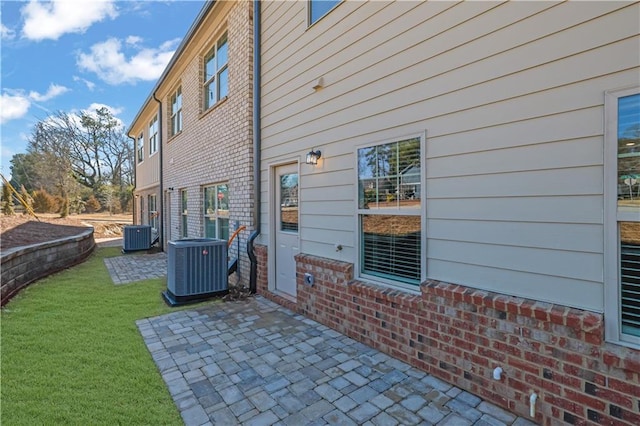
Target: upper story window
<point>176,112</point>
<point>622,216</point>
<point>390,211</point>
<point>216,73</point>
<point>319,8</point>
<point>153,135</point>
<point>140,147</point>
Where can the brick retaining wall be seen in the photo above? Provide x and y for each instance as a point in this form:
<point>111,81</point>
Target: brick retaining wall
<point>23,265</point>
<point>461,334</point>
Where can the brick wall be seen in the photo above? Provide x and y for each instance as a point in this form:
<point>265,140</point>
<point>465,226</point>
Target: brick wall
<point>460,335</point>
<point>215,146</point>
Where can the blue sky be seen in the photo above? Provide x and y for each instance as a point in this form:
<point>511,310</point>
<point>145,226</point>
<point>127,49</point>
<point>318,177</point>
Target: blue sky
<point>75,55</point>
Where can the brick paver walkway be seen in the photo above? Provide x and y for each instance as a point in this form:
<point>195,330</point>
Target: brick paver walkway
<point>256,363</point>
<point>131,268</point>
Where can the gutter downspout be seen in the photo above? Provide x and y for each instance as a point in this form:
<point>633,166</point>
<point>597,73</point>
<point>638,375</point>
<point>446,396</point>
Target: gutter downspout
<point>257,137</point>
<point>135,182</point>
<point>161,201</point>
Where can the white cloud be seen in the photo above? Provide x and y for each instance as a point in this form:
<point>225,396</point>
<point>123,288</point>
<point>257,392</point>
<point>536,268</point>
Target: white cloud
<point>6,33</point>
<point>13,107</point>
<point>111,64</point>
<point>90,84</point>
<point>15,103</point>
<point>54,90</point>
<point>50,20</point>
<point>133,40</point>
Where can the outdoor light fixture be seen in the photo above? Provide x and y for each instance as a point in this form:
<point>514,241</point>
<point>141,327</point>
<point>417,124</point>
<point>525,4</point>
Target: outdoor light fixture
<point>312,157</point>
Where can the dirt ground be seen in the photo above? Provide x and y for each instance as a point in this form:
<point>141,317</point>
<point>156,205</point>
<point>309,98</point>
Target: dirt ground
<point>20,230</point>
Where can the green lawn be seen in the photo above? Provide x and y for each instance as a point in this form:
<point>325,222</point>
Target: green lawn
<point>72,355</point>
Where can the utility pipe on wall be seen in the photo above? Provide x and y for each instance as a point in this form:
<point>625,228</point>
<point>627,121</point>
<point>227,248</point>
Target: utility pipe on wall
<point>135,181</point>
<point>253,273</point>
<point>161,195</point>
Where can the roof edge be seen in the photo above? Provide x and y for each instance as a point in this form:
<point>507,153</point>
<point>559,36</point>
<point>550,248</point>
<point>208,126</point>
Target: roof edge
<point>183,44</point>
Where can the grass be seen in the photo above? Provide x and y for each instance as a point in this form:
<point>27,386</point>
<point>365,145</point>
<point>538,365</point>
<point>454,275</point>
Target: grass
<point>72,354</point>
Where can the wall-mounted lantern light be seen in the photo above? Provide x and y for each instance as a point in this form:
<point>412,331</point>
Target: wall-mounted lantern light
<point>313,156</point>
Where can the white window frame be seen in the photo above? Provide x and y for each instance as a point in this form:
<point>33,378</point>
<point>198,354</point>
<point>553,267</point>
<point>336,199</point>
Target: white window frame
<point>215,215</point>
<point>215,78</point>
<point>184,222</point>
<point>142,215</point>
<point>152,204</point>
<point>612,216</point>
<point>176,112</point>
<point>153,135</point>
<point>140,147</point>
<point>422,212</point>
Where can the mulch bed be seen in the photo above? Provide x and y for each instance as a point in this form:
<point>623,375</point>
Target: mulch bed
<point>21,230</point>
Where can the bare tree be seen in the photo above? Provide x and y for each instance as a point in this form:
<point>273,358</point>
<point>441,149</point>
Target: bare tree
<point>88,150</point>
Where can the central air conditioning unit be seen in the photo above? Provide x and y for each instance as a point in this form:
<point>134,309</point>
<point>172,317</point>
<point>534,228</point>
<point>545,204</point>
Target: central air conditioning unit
<point>196,270</point>
<point>136,237</point>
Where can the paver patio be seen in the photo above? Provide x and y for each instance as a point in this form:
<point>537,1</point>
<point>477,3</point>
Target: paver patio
<point>254,362</point>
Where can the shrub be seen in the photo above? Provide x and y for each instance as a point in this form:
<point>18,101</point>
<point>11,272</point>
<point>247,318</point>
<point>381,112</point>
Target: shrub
<point>92,204</point>
<point>7,201</point>
<point>43,202</point>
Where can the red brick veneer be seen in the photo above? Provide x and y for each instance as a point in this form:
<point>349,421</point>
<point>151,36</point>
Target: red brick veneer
<point>461,334</point>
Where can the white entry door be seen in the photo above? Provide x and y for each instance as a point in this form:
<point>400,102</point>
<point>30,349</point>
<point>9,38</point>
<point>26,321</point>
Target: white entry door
<point>287,237</point>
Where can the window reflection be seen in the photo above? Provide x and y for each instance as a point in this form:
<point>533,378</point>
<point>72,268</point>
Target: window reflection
<point>289,202</point>
<point>629,151</point>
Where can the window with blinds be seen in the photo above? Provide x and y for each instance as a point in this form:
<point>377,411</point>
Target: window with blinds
<point>630,279</point>
<point>389,210</point>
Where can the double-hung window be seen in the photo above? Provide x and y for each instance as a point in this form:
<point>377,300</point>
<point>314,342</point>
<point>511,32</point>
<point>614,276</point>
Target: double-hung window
<point>142,218</point>
<point>140,147</point>
<point>153,212</point>
<point>216,73</point>
<point>216,211</point>
<point>183,214</point>
<point>176,112</point>
<point>153,135</point>
<point>390,211</point>
<point>622,216</point>
<point>319,8</point>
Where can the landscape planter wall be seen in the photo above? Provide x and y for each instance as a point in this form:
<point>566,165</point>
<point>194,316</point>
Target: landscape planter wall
<point>461,334</point>
<point>23,265</point>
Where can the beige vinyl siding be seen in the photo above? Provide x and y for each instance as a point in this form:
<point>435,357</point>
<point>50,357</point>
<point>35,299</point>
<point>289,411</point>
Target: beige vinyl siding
<point>511,98</point>
<point>148,172</point>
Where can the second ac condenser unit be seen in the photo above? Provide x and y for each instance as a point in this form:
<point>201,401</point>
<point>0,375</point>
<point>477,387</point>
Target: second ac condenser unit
<point>137,237</point>
<point>196,270</point>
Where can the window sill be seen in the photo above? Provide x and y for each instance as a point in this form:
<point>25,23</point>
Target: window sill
<point>213,107</point>
<point>175,136</point>
<point>389,286</point>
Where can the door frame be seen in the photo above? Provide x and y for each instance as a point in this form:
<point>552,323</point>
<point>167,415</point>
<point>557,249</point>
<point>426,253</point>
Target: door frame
<point>273,214</point>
